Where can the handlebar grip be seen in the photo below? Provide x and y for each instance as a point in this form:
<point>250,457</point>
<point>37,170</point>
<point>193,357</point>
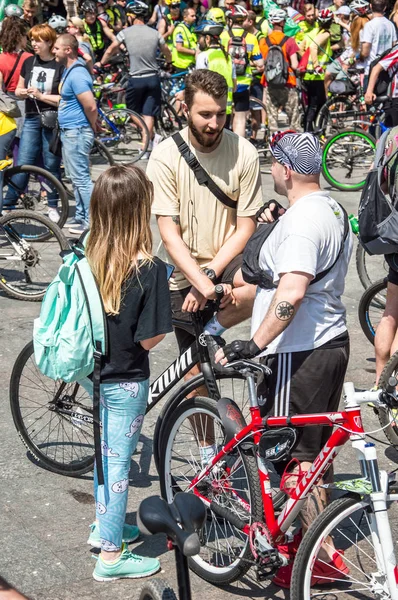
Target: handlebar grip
<point>219,290</point>
<point>392,384</point>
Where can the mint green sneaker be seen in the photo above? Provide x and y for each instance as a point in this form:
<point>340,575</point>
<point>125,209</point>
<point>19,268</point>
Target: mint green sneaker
<point>130,534</point>
<point>128,566</point>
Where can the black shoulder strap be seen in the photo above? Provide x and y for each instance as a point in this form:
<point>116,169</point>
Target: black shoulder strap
<point>345,234</point>
<point>7,81</point>
<point>203,178</point>
<point>62,82</point>
<point>268,42</point>
<point>283,41</point>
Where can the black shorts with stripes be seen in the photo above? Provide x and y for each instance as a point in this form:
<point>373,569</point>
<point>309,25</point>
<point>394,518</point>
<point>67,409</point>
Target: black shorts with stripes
<point>307,382</point>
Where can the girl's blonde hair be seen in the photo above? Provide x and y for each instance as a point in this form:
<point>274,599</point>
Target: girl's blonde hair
<point>77,22</point>
<point>357,25</point>
<point>120,233</point>
<point>394,10</point>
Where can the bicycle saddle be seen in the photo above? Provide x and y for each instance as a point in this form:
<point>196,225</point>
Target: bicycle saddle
<point>179,520</point>
<point>116,60</point>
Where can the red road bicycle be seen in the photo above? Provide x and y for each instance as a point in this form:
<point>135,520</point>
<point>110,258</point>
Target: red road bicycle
<point>244,530</point>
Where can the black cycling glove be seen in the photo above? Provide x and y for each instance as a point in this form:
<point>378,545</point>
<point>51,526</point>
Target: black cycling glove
<point>274,213</point>
<point>241,349</point>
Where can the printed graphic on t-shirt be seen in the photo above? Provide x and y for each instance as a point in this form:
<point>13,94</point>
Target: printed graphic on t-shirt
<point>42,79</point>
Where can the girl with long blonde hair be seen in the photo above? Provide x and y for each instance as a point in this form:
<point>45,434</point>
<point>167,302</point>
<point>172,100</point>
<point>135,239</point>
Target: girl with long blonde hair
<point>134,290</point>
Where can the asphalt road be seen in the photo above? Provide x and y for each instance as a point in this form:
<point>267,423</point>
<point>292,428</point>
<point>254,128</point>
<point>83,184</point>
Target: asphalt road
<point>44,517</point>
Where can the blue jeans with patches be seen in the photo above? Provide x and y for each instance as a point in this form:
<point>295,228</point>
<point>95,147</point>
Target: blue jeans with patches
<point>123,408</point>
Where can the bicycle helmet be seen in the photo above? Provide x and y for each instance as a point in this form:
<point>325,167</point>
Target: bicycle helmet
<point>13,10</point>
<point>137,8</point>
<point>58,23</point>
<point>325,16</point>
<point>237,13</point>
<point>277,15</point>
<point>210,28</point>
<point>282,2</point>
<point>360,7</point>
<point>89,7</point>
<point>216,15</point>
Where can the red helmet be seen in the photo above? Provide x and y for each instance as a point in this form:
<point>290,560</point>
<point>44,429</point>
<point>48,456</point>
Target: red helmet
<point>325,16</point>
<point>236,12</point>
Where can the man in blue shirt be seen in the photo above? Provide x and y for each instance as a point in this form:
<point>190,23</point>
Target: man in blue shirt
<point>77,116</point>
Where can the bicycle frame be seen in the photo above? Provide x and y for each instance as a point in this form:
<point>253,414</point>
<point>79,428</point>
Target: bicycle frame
<point>349,427</point>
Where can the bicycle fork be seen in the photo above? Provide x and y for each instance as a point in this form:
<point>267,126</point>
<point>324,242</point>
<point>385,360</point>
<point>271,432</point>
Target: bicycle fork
<point>379,521</point>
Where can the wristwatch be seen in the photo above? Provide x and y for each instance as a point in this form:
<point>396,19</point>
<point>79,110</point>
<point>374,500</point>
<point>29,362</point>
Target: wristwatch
<point>210,273</point>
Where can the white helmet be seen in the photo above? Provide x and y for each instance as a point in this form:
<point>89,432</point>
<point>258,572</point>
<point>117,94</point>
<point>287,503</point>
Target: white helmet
<point>360,7</point>
<point>282,2</point>
<point>13,10</point>
<point>277,15</point>
<point>58,23</point>
<point>236,12</point>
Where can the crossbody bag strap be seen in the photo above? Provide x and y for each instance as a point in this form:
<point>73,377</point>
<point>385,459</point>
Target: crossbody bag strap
<point>345,234</point>
<point>7,81</point>
<point>203,178</point>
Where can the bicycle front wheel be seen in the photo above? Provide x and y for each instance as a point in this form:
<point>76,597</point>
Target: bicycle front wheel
<point>335,115</point>
<point>30,188</point>
<point>369,267</point>
<point>347,158</point>
<point>30,247</point>
<point>126,133</point>
<point>344,529</point>
<point>388,417</point>
<point>54,419</point>
<point>371,307</point>
<point>233,484</point>
<point>168,121</point>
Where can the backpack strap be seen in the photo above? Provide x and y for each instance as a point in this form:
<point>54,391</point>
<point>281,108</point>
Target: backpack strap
<point>283,41</point>
<point>202,176</point>
<point>345,234</point>
<point>268,42</point>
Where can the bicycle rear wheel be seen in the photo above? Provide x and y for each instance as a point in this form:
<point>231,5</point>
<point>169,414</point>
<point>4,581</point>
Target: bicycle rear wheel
<point>30,247</point>
<point>349,523</point>
<point>333,115</point>
<point>371,307</point>
<point>233,485</point>
<point>33,194</point>
<point>54,419</point>
<point>388,417</point>
<point>168,121</point>
<point>347,158</point>
<point>130,141</point>
<point>369,267</point>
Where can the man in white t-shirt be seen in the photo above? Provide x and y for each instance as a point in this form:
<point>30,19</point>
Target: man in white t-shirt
<point>299,321</point>
<point>378,35</point>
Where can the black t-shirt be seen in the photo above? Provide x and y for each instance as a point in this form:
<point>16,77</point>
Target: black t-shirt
<point>45,75</point>
<point>145,313</point>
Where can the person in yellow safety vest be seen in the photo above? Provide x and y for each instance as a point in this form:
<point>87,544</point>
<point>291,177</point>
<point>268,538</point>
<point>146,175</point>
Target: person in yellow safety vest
<point>184,42</point>
<point>169,22</point>
<point>320,53</point>
<point>214,57</point>
<point>216,15</point>
<point>98,32</point>
<point>262,24</point>
<point>309,24</point>
<point>245,53</point>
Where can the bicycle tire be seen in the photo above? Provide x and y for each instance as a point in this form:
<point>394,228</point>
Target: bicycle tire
<point>131,143</point>
<point>325,119</point>
<point>100,148</point>
<point>32,199</point>
<point>389,417</point>
<point>371,307</point>
<point>345,157</point>
<point>168,122</point>
<point>40,260</point>
<point>340,512</point>
<point>157,589</point>
<point>365,273</point>
<point>26,424</point>
<point>203,409</point>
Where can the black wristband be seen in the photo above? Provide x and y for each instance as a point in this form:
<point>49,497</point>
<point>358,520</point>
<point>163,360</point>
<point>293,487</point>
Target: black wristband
<point>254,349</point>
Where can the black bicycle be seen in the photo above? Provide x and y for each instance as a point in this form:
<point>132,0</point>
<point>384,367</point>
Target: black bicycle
<point>30,247</point>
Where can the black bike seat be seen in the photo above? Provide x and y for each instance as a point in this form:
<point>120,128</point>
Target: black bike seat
<point>179,520</point>
<point>116,60</point>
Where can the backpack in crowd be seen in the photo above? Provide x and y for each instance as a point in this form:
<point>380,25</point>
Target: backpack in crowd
<point>237,49</point>
<point>70,335</point>
<point>377,212</point>
<point>384,78</point>
<point>276,68</point>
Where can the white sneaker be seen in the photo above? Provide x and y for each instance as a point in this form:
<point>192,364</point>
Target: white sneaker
<point>145,156</point>
<point>156,140</point>
<point>53,215</point>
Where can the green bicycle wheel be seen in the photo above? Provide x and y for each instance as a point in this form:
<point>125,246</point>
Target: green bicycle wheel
<point>347,158</point>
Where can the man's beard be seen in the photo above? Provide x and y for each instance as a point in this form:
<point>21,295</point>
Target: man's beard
<point>200,137</point>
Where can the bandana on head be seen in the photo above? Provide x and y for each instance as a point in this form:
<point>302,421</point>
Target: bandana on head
<point>301,152</point>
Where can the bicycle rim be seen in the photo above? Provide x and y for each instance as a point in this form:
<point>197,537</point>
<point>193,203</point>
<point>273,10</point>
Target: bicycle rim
<point>51,417</point>
<point>131,141</point>
<point>347,158</point>
<point>230,485</point>
<point>345,529</point>
<point>30,247</point>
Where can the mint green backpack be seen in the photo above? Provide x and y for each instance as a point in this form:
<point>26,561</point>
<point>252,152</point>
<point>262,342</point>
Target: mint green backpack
<point>70,335</point>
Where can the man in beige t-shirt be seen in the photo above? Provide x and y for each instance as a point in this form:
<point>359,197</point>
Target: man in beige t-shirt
<point>203,237</point>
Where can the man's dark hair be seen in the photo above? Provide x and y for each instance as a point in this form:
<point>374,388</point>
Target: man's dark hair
<point>186,11</point>
<point>204,80</point>
<point>66,39</point>
<point>378,6</point>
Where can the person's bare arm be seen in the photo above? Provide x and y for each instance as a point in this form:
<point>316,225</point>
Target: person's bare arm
<point>89,105</point>
<point>374,75</point>
<point>108,32</point>
<point>294,61</point>
<point>245,227</point>
<point>152,342</point>
<point>113,48</point>
<point>165,50</point>
<point>21,91</point>
<point>328,80</point>
<point>51,99</point>
<point>365,50</point>
<point>181,48</point>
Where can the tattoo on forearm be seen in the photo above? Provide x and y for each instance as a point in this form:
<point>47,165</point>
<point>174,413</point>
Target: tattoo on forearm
<point>284,311</point>
<point>176,219</point>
